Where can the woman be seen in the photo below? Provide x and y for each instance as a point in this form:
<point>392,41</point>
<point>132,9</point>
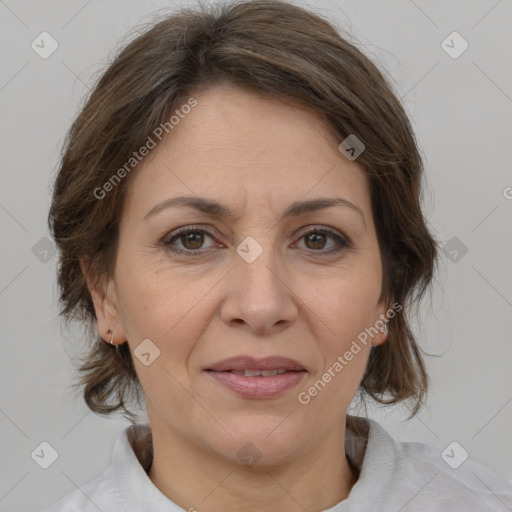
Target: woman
<point>238,216</point>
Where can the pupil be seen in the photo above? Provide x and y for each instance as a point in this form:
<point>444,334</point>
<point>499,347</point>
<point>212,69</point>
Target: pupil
<point>195,238</point>
<point>315,237</point>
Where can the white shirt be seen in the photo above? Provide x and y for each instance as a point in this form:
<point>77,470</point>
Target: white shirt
<point>394,476</point>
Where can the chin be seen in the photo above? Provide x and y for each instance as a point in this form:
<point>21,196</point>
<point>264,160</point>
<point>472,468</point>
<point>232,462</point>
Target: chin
<point>261,441</point>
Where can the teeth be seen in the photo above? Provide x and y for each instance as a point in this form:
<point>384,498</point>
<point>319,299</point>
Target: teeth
<point>258,373</point>
<point>251,373</point>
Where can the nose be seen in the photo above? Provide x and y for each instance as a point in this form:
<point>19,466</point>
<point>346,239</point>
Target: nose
<point>260,296</point>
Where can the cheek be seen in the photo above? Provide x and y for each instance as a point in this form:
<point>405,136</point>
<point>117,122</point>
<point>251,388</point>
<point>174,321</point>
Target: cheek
<point>342,312</point>
<point>160,305</point>
<point>167,309</point>
<point>172,306</point>
<point>343,307</point>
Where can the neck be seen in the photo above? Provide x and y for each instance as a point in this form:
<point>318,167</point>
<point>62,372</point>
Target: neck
<point>197,479</point>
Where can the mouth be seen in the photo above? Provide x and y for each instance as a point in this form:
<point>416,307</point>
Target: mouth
<point>259,373</point>
<point>257,378</point>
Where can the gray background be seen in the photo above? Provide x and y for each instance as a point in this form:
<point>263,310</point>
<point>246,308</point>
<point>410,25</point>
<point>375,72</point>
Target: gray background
<point>461,110</point>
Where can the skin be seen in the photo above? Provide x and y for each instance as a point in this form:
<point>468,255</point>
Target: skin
<point>256,155</point>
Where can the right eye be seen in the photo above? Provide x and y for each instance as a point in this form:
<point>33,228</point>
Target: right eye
<point>190,238</point>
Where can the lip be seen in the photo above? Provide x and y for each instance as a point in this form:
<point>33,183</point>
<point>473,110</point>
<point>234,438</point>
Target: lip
<point>258,386</point>
<point>250,363</point>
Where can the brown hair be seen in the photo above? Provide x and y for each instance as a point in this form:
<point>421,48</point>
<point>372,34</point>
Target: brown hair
<point>278,49</point>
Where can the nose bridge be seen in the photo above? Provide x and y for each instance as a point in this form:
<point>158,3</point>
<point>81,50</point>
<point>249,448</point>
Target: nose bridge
<point>259,295</point>
<point>257,267</point>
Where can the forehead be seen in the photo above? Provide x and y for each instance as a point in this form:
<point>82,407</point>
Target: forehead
<point>245,147</point>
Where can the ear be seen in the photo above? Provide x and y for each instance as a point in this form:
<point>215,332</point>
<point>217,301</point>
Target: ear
<point>103,294</point>
<point>382,319</point>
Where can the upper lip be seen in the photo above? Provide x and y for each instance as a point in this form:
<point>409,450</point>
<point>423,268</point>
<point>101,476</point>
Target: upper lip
<point>243,362</point>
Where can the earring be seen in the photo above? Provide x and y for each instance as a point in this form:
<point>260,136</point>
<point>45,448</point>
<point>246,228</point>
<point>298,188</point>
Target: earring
<point>110,331</point>
<point>384,328</point>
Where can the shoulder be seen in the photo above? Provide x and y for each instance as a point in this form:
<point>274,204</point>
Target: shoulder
<point>412,476</point>
<point>429,478</point>
<point>124,484</point>
<point>97,494</point>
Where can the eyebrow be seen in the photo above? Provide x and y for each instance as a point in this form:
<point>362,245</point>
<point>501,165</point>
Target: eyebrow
<point>216,209</point>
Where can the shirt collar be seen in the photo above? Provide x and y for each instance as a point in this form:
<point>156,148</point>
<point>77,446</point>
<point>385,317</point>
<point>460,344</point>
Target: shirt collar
<point>367,445</point>
<point>130,460</point>
<point>372,450</point>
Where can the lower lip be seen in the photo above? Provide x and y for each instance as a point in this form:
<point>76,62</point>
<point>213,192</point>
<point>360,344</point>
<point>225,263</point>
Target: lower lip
<point>258,387</point>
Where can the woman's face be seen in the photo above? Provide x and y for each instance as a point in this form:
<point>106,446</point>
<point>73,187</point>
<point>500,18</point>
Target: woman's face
<point>255,289</point>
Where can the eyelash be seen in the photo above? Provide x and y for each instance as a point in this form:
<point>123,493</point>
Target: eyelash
<point>343,243</point>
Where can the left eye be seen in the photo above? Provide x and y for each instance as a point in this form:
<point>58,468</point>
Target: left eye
<point>192,240</point>
<point>317,240</point>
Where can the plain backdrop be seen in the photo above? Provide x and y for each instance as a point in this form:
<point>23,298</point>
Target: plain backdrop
<point>461,109</point>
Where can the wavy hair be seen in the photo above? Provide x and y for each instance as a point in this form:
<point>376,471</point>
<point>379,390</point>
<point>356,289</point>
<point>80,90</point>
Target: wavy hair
<point>271,47</point>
